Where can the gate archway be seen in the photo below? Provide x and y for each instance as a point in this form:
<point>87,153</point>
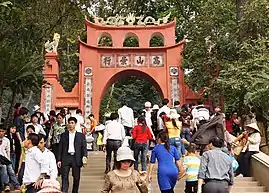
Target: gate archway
<point>99,66</point>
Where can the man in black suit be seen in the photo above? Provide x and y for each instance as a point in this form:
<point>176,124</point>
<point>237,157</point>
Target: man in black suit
<point>72,154</point>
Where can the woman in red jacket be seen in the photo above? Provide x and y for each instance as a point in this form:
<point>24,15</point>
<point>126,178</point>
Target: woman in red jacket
<point>141,135</point>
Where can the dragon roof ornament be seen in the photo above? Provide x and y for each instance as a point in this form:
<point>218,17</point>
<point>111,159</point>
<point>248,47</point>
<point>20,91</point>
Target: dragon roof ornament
<point>131,20</point>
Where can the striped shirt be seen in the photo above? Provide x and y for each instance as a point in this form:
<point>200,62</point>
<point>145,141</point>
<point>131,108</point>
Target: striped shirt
<point>191,163</point>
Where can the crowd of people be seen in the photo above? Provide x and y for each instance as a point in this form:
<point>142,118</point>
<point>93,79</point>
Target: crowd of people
<point>178,133</point>
<point>36,149</point>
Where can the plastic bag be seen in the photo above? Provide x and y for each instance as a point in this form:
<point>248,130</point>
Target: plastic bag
<point>89,138</point>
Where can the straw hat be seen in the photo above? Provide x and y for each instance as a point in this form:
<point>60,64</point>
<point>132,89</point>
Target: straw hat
<point>253,126</point>
<point>173,114</point>
<point>155,107</point>
<point>125,153</point>
<point>147,104</point>
<point>50,185</point>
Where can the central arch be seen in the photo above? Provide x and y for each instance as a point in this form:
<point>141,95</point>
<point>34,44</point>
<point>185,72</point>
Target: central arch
<point>129,73</point>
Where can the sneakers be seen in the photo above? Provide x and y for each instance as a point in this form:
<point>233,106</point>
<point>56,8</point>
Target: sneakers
<point>7,189</point>
<point>240,176</point>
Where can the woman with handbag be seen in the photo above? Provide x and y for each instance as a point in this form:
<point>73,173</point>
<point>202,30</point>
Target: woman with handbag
<point>123,179</point>
<point>253,140</point>
<point>55,134</point>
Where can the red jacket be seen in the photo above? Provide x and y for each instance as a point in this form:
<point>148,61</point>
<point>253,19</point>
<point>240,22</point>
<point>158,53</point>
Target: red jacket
<point>140,136</point>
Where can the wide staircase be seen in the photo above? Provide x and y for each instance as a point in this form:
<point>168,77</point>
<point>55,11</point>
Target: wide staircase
<point>92,179</point>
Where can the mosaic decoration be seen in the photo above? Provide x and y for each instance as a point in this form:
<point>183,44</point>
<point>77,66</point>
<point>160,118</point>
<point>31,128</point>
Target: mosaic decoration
<point>156,60</point>
<point>140,60</point>
<point>107,61</point>
<point>123,60</point>
<point>48,99</point>
<point>173,71</point>
<point>131,19</point>
<point>175,95</point>
<point>87,96</point>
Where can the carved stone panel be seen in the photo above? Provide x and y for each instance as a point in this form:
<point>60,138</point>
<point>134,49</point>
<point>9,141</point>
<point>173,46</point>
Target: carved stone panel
<point>157,60</point>
<point>140,60</point>
<point>123,60</point>
<point>48,99</point>
<point>175,93</point>
<point>107,61</point>
<point>87,96</point>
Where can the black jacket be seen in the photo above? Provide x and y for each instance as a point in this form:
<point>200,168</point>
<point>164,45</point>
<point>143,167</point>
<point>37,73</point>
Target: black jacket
<point>79,144</point>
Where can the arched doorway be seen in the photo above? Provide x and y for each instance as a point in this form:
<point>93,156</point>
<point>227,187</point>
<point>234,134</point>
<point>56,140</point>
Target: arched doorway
<point>133,86</point>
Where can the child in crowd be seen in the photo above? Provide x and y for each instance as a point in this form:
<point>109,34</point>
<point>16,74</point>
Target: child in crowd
<point>191,164</point>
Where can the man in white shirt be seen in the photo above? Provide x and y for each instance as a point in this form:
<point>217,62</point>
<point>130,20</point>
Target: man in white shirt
<point>113,136</point>
<point>38,128</point>
<point>53,170</point>
<point>36,164</point>
<point>200,114</point>
<point>164,108</point>
<point>80,127</point>
<point>126,118</point>
<point>7,173</point>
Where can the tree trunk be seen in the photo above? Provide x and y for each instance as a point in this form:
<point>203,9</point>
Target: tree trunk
<point>239,14</point>
<point>9,118</point>
<point>29,99</point>
<point>110,96</point>
<point>1,103</point>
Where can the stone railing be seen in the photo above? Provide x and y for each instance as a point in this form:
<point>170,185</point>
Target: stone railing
<point>260,168</point>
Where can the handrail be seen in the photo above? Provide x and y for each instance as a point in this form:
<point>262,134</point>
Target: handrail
<point>260,168</point>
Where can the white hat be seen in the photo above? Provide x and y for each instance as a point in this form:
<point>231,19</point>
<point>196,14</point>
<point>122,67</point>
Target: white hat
<point>253,126</point>
<point>50,185</point>
<point>147,104</point>
<point>173,114</point>
<point>125,153</point>
<point>155,107</point>
<point>36,108</point>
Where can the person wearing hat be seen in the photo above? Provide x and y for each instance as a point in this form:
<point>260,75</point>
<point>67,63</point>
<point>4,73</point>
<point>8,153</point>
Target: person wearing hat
<point>124,179</point>
<point>173,128</point>
<point>50,186</point>
<point>41,117</point>
<point>252,146</point>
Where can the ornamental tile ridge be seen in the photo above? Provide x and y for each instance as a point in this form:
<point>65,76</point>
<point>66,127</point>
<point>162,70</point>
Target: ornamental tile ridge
<point>125,27</point>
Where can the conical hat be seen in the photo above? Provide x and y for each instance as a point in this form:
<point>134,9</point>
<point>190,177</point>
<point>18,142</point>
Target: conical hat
<point>253,126</point>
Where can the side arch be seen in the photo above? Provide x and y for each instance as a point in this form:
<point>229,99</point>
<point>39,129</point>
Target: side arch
<point>131,40</point>
<point>157,40</point>
<point>105,39</point>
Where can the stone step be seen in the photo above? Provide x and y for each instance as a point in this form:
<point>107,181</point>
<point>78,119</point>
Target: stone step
<point>92,179</point>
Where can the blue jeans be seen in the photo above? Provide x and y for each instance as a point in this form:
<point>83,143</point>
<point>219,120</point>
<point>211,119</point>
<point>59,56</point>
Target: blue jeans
<point>13,160</point>
<point>176,141</point>
<point>185,133</point>
<point>140,147</point>
<point>8,175</point>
